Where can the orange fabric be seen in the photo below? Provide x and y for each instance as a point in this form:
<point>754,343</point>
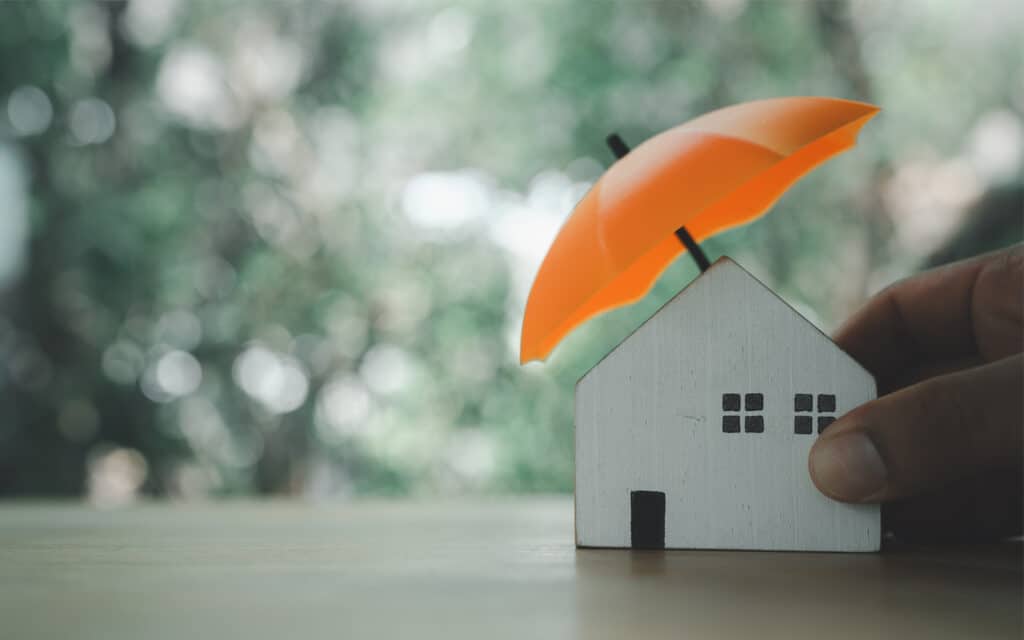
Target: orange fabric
<point>715,172</point>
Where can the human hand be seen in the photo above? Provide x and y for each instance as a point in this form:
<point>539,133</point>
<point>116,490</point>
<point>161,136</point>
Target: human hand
<point>942,444</point>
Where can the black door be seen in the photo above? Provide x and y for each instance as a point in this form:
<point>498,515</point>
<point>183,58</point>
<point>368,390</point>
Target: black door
<point>647,519</point>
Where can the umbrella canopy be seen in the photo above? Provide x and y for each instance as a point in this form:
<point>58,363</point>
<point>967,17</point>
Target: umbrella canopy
<point>717,171</point>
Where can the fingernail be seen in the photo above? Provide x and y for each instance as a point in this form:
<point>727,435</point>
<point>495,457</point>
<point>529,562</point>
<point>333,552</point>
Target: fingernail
<point>848,467</point>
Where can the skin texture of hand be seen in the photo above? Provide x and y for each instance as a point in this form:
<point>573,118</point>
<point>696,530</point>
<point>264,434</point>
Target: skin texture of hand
<point>941,447</point>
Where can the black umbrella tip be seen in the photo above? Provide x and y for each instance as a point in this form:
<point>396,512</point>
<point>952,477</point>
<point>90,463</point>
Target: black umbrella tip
<point>617,145</point>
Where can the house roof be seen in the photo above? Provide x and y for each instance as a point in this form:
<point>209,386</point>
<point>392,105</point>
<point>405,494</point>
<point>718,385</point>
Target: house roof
<point>726,263</point>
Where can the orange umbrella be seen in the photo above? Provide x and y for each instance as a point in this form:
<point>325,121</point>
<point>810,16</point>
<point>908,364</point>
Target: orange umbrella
<point>717,171</point>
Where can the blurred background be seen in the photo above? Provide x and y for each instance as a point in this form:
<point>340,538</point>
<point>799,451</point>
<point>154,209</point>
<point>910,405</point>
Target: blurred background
<point>284,248</point>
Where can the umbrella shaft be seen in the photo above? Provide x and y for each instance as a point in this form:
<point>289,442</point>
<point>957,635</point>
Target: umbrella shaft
<point>695,251</point>
<point>620,149</point>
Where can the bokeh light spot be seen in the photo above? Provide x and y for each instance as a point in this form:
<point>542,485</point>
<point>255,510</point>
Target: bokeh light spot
<point>29,110</point>
<point>92,121</point>
<point>277,381</point>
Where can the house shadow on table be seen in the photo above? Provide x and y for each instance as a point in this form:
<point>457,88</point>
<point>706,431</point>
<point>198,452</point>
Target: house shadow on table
<point>937,593</point>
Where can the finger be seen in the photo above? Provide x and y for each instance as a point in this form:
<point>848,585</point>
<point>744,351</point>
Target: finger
<point>967,308</point>
<point>986,507</point>
<point>918,373</point>
<point>998,310</point>
<point>924,436</point>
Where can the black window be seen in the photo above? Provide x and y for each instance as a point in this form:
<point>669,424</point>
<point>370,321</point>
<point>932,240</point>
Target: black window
<point>752,419</point>
<point>803,424</point>
<point>730,402</point>
<point>803,403</point>
<point>753,424</point>
<point>826,403</point>
<point>753,402</point>
<point>731,424</point>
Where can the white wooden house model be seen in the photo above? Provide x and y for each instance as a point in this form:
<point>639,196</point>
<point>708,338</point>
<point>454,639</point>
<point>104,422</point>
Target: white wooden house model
<point>694,432</point>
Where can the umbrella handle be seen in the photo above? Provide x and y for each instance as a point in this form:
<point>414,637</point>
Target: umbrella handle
<point>620,149</point>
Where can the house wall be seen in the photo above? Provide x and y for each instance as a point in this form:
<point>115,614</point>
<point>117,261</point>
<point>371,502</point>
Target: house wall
<point>649,417</point>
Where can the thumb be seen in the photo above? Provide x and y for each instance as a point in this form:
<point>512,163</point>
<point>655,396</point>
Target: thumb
<point>924,436</point>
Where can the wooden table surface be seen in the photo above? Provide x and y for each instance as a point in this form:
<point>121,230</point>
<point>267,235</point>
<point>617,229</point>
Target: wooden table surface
<point>484,569</point>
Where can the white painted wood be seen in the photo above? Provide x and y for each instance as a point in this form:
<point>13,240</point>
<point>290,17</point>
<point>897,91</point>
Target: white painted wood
<point>649,417</point>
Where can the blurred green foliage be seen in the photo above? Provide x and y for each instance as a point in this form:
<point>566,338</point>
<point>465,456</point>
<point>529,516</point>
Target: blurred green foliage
<point>284,247</point>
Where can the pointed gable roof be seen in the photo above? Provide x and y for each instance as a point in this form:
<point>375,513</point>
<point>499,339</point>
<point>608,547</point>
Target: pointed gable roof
<point>726,273</point>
